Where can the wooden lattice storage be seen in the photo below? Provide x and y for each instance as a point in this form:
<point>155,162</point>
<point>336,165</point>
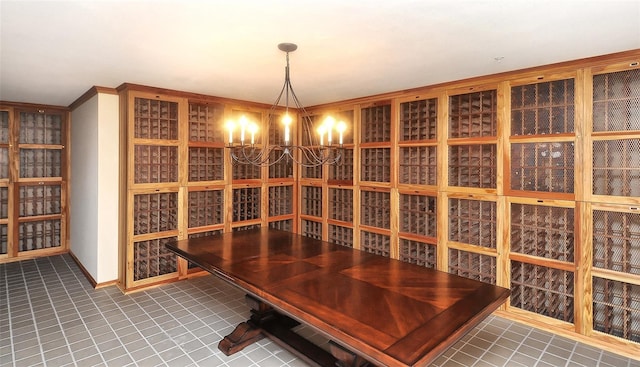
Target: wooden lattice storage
<point>44,162</point>
<point>341,204</point>
<point>40,200</point>
<point>156,163</point>
<point>473,222</point>
<point>419,253</point>
<point>616,167</point>
<point>375,243</point>
<point>343,172</point>
<point>154,213</point>
<point>155,119</point>
<point>151,258</point>
<point>205,121</point>
<point>246,171</point>
<point>473,114</point>
<point>283,225</point>
<point>543,108</point>
<point>246,227</point>
<point>206,164</point>
<point>616,101</point>
<point>418,165</point>
<point>376,124</point>
<point>418,215</point>
<point>40,234</point>
<point>311,229</point>
<point>616,241</point>
<point>419,120</point>
<point>543,231</point>
<point>246,204</point>
<point>310,171</point>
<point>616,308</point>
<point>546,167</point>
<point>206,208</point>
<point>282,169</point>
<point>40,128</point>
<point>376,165</point>
<point>473,165</point>
<point>375,209</point>
<point>472,265</point>
<point>280,200</point>
<point>341,235</point>
<point>543,290</point>
<point>311,199</point>
<point>4,145</point>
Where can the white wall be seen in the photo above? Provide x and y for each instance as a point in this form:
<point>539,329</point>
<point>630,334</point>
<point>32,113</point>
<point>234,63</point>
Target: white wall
<point>94,186</point>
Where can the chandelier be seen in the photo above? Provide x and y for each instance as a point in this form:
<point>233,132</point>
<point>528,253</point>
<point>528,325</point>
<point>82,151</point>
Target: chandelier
<point>314,149</point>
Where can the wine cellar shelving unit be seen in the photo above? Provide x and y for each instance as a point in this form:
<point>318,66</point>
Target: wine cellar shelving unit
<point>180,182</point>
<point>529,180</point>
<point>33,180</point>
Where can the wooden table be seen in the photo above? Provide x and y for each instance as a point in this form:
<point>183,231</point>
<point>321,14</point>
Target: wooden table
<point>375,310</point>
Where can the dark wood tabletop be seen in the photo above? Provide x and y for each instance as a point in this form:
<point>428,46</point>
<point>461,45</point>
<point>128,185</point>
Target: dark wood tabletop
<point>387,311</point>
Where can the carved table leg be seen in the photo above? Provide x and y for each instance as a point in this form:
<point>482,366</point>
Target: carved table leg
<point>251,331</point>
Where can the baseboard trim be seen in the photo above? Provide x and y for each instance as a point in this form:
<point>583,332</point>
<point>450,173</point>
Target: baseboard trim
<point>87,275</point>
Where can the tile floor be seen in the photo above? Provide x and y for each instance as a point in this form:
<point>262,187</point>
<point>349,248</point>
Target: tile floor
<point>51,316</point>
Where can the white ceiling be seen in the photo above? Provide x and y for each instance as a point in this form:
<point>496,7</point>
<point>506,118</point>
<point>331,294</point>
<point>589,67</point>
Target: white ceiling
<point>54,51</point>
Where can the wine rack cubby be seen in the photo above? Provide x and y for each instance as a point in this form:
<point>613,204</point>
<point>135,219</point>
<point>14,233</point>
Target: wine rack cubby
<point>341,204</point>
<point>311,229</point>
<point>155,119</point>
<point>543,290</point>
<point>616,101</point>
<point>283,225</point>
<point>206,164</point>
<point>473,166</point>
<point>4,239</point>
<point>246,204</point>
<point>154,213</point>
<point>206,208</point>
<point>543,231</point>
<point>40,128</point>
<point>473,222</point>
<point>375,209</point>
<point>39,200</point>
<point>544,167</point>
<point>376,124</point>
<point>376,165</point>
<point>205,120</point>
<point>472,265</point>
<point>36,163</point>
<point>473,114</point>
<point>37,235</point>
<point>246,172</point>
<point>616,241</point>
<point>616,306</point>
<point>311,200</point>
<point>419,120</point>
<point>282,169</point>
<point>375,243</point>
<point>543,108</point>
<point>415,252</point>
<point>616,167</point>
<point>343,172</point>
<point>280,202</point>
<point>418,215</point>
<point>418,165</point>
<point>156,164</point>
<point>341,235</point>
<point>151,258</point>
<point>4,202</point>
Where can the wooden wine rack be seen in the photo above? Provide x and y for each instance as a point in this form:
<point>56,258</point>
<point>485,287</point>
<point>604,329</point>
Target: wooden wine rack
<point>473,265</point>
<point>33,180</point>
